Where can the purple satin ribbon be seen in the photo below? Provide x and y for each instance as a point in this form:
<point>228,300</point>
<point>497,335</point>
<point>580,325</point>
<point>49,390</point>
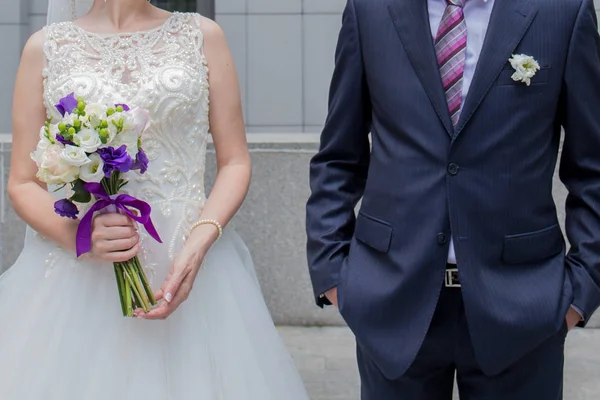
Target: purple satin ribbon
<point>121,202</point>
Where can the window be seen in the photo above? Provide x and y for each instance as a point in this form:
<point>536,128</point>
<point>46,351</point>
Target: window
<point>204,7</point>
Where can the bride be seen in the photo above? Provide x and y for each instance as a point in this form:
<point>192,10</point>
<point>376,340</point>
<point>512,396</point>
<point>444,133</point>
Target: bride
<point>62,332</point>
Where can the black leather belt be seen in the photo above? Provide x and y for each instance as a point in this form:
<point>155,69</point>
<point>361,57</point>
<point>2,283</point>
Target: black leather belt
<point>451,278</point>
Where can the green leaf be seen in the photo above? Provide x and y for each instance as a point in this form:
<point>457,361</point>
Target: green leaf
<point>121,183</point>
<point>81,195</point>
<point>59,188</point>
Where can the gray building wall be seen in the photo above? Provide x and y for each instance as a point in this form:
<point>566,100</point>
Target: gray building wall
<point>18,19</point>
<point>284,52</point>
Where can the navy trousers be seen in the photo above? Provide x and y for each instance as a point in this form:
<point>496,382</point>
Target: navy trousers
<point>447,351</point>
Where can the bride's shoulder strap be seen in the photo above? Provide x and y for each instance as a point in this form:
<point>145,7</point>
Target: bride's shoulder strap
<point>197,22</point>
<point>54,35</point>
<point>58,33</point>
<point>58,30</point>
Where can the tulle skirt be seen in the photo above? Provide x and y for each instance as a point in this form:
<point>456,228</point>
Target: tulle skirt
<point>63,337</point>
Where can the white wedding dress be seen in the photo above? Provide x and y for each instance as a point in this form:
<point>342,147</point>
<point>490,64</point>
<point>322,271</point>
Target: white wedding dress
<point>62,333</point>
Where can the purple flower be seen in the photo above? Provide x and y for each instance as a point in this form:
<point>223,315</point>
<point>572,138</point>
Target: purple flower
<point>115,159</point>
<point>141,162</point>
<point>66,208</point>
<point>64,141</point>
<point>67,104</point>
<point>125,106</point>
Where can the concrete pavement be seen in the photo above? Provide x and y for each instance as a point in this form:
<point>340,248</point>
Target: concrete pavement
<point>326,360</point>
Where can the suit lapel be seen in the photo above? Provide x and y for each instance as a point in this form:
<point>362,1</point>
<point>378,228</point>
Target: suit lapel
<point>509,22</point>
<point>411,20</point>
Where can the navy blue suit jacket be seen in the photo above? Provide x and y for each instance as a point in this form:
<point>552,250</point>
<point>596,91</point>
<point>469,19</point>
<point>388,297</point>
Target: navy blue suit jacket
<point>488,183</point>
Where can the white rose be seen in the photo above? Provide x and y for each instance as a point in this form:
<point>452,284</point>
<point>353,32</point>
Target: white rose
<point>137,120</point>
<point>92,171</point>
<point>53,169</point>
<point>74,156</point>
<point>51,157</point>
<point>42,146</point>
<point>65,172</point>
<point>88,140</point>
<point>129,139</point>
<point>69,119</point>
<point>128,121</point>
<point>36,156</point>
<point>525,68</point>
<point>95,113</point>
<point>84,119</point>
<point>97,109</point>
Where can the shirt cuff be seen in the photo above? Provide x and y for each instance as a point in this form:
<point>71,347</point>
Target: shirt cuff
<point>578,312</point>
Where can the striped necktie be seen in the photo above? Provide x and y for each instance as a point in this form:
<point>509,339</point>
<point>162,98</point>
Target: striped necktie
<point>451,48</point>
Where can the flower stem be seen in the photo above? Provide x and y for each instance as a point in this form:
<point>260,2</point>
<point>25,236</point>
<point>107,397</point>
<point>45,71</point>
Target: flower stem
<point>131,293</point>
<point>134,287</point>
<point>142,274</point>
<point>132,282</point>
<point>128,300</point>
<point>141,298</point>
<point>120,286</point>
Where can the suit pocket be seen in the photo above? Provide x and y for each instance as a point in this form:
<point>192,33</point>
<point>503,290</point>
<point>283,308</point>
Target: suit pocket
<point>505,78</point>
<point>534,246</point>
<point>373,232</point>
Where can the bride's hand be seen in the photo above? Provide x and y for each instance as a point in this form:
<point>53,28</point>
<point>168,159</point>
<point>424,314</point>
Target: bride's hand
<point>178,284</point>
<point>182,274</point>
<point>114,238</point>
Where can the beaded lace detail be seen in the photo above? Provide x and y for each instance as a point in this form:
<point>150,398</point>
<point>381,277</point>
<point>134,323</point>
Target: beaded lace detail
<point>163,70</point>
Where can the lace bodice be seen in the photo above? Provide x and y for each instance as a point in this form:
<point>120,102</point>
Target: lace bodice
<point>163,70</point>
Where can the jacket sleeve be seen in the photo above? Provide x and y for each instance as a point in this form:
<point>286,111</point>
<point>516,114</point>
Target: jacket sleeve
<point>580,162</point>
<point>338,172</point>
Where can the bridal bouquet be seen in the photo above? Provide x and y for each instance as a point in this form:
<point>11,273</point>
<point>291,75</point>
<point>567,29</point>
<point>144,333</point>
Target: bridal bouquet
<point>89,149</point>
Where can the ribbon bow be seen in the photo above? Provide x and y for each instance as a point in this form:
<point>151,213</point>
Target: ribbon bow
<point>121,202</point>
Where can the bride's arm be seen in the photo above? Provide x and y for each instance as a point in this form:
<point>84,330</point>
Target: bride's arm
<point>233,171</point>
<point>29,197</point>
<point>113,235</point>
<point>229,137</point>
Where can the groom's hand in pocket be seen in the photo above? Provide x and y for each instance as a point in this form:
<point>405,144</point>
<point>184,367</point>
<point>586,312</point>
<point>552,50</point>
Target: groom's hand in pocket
<point>114,238</point>
<point>572,318</point>
<point>331,295</point>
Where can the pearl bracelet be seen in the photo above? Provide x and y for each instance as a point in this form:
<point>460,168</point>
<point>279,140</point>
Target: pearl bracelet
<point>208,222</point>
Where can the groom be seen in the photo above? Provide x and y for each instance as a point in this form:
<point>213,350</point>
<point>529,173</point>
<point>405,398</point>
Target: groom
<point>455,261</point>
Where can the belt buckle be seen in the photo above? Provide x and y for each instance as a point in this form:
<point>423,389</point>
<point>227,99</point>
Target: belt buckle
<point>451,278</point>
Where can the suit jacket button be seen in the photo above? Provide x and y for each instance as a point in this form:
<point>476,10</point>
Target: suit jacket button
<point>452,169</point>
<point>441,238</point>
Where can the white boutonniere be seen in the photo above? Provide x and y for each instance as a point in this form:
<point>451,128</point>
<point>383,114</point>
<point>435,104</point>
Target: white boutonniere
<point>525,68</point>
